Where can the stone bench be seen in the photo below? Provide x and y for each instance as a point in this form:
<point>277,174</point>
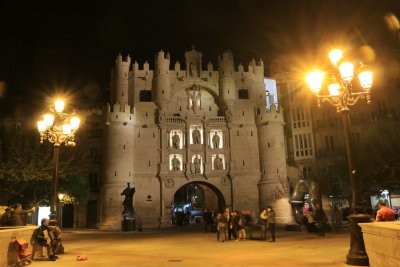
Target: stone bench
<point>8,254</point>
<point>382,243</point>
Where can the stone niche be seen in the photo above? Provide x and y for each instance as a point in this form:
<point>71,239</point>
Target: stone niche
<point>214,139</point>
<point>175,162</point>
<point>196,131</point>
<point>176,139</point>
<point>382,243</point>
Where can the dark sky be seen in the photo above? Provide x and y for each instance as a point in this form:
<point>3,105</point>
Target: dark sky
<point>71,45</point>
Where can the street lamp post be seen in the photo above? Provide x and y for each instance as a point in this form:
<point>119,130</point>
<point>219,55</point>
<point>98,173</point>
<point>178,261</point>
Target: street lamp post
<point>57,127</point>
<point>342,96</point>
<point>60,207</point>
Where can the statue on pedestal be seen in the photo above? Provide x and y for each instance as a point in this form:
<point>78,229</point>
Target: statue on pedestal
<point>196,163</point>
<point>218,164</point>
<point>215,140</point>
<point>194,98</point>
<point>196,136</point>
<point>176,164</point>
<point>128,211</point>
<point>176,141</point>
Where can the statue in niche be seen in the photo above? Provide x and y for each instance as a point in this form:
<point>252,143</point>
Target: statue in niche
<point>194,99</point>
<point>196,136</point>
<point>176,164</point>
<point>218,164</point>
<point>196,163</point>
<point>215,140</point>
<point>193,70</point>
<point>176,141</point>
<point>128,211</point>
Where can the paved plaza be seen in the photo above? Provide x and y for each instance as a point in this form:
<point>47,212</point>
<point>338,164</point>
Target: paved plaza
<point>192,247</point>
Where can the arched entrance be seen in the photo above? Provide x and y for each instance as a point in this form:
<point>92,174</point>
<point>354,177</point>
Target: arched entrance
<point>191,199</point>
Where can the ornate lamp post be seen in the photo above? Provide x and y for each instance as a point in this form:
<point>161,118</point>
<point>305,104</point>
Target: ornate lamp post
<point>57,127</point>
<point>342,96</point>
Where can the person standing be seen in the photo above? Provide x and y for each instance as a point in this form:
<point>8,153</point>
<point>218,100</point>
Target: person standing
<point>18,215</point>
<point>6,217</point>
<point>222,227</point>
<point>320,219</point>
<point>271,222</point>
<point>263,220</point>
<point>310,222</point>
<point>241,227</point>
<point>207,218</point>
<point>384,213</point>
<point>228,216</point>
<point>235,225</point>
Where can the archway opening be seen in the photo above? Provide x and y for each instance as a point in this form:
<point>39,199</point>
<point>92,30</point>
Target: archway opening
<point>192,199</point>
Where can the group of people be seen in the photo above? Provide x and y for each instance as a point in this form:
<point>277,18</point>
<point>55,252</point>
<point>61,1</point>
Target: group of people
<point>15,216</point>
<point>231,226</point>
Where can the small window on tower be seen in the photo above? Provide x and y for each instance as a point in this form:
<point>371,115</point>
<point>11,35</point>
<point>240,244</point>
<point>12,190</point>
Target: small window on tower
<point>243,94</point>
<point>145,96</point>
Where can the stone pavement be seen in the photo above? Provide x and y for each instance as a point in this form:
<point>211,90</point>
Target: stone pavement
<point>192,247</point>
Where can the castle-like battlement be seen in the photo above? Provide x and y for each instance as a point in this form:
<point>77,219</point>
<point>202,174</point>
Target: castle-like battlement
<point>121,60</point>
<point>119,113</point>
<point>273,115</point>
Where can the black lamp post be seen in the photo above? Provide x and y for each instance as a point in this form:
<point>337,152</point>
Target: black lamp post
<point>342,96</point>
<point>57,127</point>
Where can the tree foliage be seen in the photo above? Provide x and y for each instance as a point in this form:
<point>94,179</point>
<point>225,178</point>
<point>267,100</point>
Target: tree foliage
<point>26,167</point>
<point>378,159</point>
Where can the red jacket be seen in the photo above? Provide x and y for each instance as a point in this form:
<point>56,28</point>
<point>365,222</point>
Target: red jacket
<point>385,214</point>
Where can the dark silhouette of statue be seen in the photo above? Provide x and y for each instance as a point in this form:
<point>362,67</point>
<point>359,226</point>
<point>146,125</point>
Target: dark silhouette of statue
<point>128,211</point>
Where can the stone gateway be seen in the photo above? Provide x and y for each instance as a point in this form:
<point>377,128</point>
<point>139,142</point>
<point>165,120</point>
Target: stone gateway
<point>177,125</point>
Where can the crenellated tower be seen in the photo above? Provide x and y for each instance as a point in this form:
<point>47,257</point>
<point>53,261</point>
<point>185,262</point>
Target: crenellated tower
<point>259,87</point>
<point>161,80</point>
<point>120,78</point>
<point>227,90</point>
<point>118,150</point>
<point>273,185</point>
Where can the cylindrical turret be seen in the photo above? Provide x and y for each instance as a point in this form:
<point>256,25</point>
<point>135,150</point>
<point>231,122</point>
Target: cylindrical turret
<point>161,80</point>
<point>273,185</point>
<point>227,91</point>
<point>117,164</point>
<point>121,78</point>
<point>259,86</point>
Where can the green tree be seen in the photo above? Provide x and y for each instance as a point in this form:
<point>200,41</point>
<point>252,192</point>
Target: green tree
<point>378,159</point>
<point>26,167</point>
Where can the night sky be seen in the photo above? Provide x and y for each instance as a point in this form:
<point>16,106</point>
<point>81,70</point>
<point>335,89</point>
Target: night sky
<point>47,46</point>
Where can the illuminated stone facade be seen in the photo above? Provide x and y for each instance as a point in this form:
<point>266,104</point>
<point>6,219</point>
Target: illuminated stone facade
<point>178,124</point>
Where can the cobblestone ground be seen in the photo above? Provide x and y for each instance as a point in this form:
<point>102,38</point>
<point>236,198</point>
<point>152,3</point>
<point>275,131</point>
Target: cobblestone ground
<point>192,247</point>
